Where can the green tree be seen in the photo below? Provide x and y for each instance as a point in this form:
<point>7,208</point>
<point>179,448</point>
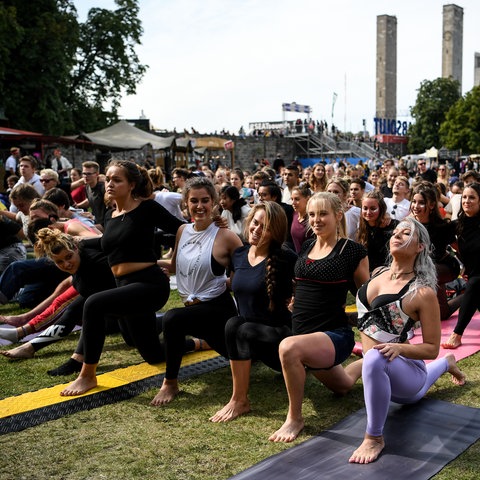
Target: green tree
<point>461,129</point>
<point>62,76</point>
<point>10,34</point>
<point>106,64</point>
<point>35,85</point>
<point>434,99</point>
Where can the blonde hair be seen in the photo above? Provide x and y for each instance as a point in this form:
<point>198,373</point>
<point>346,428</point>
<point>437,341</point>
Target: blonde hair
<point>424,267</point>
<point>51,173</point>
<point>52,242</point>
<point>342,183</point>
<point>330,201</point>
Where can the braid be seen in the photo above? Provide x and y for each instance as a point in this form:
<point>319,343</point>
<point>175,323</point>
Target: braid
<point>271,274</point>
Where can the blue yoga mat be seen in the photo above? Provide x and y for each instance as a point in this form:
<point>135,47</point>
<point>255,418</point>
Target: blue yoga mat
<point>420,440</point>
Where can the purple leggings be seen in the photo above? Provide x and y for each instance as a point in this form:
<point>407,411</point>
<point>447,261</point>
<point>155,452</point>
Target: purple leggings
<point>402,380</point>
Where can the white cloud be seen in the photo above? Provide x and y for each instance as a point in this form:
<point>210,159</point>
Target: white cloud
<point>224,63</point>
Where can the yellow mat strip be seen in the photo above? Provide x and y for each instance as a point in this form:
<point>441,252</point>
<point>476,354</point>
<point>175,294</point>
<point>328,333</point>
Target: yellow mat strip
<point>116,378</point>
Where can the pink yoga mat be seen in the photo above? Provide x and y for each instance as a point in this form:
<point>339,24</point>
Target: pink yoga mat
<point>470,338</point>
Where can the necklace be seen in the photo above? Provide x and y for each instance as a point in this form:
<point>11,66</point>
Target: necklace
<point>395,275</point>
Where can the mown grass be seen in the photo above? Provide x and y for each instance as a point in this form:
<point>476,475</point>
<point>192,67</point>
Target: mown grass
<point>131,439</point>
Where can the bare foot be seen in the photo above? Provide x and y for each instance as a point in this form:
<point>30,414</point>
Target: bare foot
<point>23,351</point>
<point>453,342</point>
<point>15,320</point>
<point>368,451</point>
<point>168,391</point>
<point>79,386</point>
<point>201,344</point>
<point>288,432</point>
<point>458,377</point>
<point>231,410</point>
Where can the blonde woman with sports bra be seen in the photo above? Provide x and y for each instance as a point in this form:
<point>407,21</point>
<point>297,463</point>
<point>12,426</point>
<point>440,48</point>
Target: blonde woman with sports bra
<point>388,305</point>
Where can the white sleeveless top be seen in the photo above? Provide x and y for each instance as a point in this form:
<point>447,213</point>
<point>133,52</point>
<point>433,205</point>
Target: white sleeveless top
<point>195,279</point>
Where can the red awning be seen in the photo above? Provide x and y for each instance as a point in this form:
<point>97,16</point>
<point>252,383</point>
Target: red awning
<point>23,133</point>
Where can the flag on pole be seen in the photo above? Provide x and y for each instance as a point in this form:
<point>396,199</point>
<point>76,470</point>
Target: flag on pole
<point>295,107</point>
<point>334,99</point>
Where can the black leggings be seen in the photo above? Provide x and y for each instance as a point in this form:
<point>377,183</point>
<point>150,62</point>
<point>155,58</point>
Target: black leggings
<point>470,303</point>
<point>69,318</point>
<point>250,340</point>
<point>204,320</point>
<point>446,272</point>
<point>136,299</point>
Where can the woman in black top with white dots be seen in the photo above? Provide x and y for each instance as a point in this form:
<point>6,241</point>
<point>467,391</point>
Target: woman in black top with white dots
<point>327,267</point>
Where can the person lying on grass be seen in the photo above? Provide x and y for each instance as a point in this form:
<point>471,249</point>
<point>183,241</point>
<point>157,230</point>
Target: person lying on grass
<point>90,274</point>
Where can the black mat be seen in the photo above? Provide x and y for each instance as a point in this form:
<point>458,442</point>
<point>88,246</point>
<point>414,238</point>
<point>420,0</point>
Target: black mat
<point>21,421</point>
<point>420,440</point>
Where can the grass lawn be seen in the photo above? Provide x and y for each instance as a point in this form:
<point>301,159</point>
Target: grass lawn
<point>131,439</point>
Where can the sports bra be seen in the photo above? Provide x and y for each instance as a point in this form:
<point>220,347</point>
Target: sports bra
<point>384,320</point>
<point>217,268</point>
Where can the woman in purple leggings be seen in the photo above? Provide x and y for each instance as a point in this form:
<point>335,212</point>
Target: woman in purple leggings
<point>388,305</point>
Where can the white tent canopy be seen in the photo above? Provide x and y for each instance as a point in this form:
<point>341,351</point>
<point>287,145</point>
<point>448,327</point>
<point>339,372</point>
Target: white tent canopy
<point>431,153</point>
<point>125,136</point>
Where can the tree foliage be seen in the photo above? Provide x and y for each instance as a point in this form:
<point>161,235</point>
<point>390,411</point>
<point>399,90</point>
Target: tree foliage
<point>35,84</point>
<point>434,99</point>
<point>61,76</point>
<point>107,65</point>
<point>461,129</point>
<point>10,34</point>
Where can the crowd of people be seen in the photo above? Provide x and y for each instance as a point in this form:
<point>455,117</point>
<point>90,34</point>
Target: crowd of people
<point>264,261</point>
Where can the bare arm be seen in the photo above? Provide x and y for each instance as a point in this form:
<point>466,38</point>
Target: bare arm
<point>84,204</point>
<point>8,214</point>
<point>77,229</point>
<point>225,244</point>
<point>171,264</point>
<point>231,241</point>
<point>62,286</point>
<point>77,183</point>
<point>361,274</point>
<point>423,306</point>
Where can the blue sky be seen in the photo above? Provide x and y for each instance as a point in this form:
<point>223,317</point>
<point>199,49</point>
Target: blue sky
<point>217,64</point>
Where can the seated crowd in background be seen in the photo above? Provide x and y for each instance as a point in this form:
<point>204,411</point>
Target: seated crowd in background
<point>227,232</point>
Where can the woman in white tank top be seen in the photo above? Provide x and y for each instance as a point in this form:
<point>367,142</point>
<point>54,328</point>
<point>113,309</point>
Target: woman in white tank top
<point>201,257</point>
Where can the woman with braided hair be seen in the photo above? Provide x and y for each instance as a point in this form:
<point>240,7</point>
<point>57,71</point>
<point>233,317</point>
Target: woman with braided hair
<point>262,284</point>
